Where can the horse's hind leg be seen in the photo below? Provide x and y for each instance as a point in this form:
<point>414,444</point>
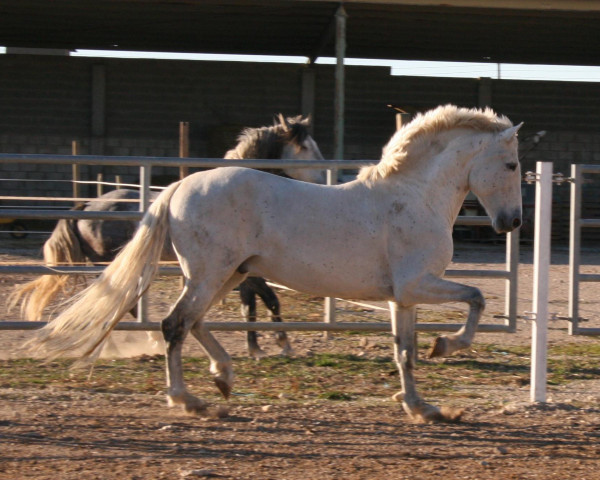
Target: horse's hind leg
<point>267,295</point>
<point>220,361</point>
<point>188,310</point>
<point>248,300</point>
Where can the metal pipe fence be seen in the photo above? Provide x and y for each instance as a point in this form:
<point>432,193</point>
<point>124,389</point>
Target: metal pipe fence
<point>509,274</point>
<point>577,223</point>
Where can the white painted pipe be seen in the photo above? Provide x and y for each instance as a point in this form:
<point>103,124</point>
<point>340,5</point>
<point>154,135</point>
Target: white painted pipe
<point>541,271</point>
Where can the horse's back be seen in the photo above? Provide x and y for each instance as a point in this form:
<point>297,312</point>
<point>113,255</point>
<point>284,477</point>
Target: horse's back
<point>285,230</point>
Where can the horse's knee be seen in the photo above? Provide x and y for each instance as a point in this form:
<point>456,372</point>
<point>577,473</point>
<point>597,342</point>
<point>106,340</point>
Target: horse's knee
<point>173,329</point>
<point>248,312</point>
<point>273,306</point>
<point>476,299</point>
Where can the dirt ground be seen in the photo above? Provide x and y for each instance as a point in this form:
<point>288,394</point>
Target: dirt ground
<point>54,431</point>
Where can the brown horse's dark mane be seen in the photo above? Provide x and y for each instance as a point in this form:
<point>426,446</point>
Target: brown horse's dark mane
<point>268,142</point>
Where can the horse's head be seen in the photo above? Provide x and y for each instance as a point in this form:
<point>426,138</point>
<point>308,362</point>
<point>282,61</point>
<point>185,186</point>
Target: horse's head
<point>496,180</point>
<point>299,145</point>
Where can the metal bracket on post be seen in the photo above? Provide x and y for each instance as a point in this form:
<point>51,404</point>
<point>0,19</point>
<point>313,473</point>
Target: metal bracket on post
<point>557,178</point>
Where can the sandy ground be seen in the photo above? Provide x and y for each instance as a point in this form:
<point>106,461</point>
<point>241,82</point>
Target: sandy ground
<point>59,433</point>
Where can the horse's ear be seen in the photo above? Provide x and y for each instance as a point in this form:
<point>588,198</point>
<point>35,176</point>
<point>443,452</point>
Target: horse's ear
<point>510,133</point>
<point>284,123</point>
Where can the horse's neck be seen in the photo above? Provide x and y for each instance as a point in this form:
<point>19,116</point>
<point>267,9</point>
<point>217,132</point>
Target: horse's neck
<point>444,177</point>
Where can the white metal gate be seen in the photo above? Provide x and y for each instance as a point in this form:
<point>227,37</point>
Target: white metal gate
<point>509,274</point>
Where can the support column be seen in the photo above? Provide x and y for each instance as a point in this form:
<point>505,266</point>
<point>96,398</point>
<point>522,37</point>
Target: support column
<point>308,96</point>
<point>484,93</point>
<point>98,120</point>
<point>338,128</point>
<point>340,81</point>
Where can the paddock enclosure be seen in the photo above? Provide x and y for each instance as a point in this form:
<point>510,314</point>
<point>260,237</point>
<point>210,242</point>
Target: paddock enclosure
<point>325,412</point>
<point>330,404</point>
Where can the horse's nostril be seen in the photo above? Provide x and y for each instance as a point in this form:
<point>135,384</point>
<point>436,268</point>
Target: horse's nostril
<point>516,223</point>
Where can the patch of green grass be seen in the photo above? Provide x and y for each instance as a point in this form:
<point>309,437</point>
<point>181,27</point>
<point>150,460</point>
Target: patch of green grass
<point>335,377</point>
<point>336,395</point>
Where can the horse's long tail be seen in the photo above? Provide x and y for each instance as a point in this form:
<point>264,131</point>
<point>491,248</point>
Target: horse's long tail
<point>92,314</point>
<point>63,247</point>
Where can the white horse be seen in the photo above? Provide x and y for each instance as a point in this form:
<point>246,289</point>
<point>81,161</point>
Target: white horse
<point>385,236</point>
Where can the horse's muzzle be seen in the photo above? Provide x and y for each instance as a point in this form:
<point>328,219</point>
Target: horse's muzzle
<point>507,222</point>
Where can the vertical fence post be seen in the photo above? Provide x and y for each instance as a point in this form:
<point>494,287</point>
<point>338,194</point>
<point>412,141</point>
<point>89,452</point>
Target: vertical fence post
<point>512,285</point>
<point>541,271</point>
<point>184,147</point>
<point>184,152</point>
<point>329,306</point>
<point>145,176</point>
<point>574,248</point>
<point>76,172</point>
<point>99,186</point>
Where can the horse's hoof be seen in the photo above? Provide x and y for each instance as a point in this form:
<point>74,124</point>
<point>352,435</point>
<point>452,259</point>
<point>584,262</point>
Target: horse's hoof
<point>287,351</point>
<point>257,353</point>
<point>398,397</point>
<point>220,412</point>
<point>452,415</point>
<point>439,348</point>
<point>431,414</point>
<point>198,407</point>
<point>189,403</point>
<point>223,387</point>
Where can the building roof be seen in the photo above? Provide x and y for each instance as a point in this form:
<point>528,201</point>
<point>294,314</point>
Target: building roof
<point>501,31</point>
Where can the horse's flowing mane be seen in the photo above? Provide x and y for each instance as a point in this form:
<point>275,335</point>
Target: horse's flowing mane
<point>403,143</point>
<point>268,142</point>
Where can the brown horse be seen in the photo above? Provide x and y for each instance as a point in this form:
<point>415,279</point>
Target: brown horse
<point>95,241</point>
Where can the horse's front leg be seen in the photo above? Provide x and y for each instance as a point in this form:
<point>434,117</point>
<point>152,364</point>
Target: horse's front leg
<point>436,290</point>
<point>403,330</point>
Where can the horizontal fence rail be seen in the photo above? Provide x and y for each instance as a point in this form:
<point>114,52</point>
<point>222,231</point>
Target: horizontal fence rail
<point>145,164</point>
<point>275,326</point>
<point>179,162</point>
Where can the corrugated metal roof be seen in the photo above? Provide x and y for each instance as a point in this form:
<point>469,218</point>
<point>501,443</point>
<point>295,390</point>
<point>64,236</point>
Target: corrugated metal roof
<point>510,32</point>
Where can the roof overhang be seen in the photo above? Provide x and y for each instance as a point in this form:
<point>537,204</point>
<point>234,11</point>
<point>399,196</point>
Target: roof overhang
<point>501,31</point>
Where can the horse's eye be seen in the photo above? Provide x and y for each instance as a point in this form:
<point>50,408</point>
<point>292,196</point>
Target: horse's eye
<point>511,166</point>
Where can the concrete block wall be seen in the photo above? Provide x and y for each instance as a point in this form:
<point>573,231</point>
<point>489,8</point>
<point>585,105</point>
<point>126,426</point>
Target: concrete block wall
<point>133,107</point>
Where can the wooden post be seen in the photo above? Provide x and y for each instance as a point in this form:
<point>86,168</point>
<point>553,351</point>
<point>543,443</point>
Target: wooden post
<point>402,119</point>
<point>99,186</point>
<point>184,152</point>
<point>184,146</point>
<point>76,172</point>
